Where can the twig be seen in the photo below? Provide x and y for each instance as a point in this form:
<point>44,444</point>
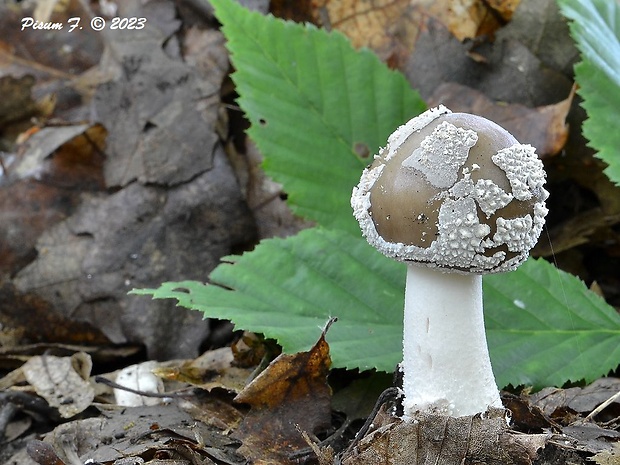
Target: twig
<point>112,384</point>
<point>7,412</point>
<point>603,406</point>
<point>389,393</point>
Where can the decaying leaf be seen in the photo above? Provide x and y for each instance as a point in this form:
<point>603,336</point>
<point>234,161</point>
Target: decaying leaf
<point>387,27</point>
<point>49,56</point>
<point>433,438</point>
<point>525,416</point>
<point>49,172</point>
<point>18,311</point>
<point>391,28</point>
<point>590,437</point>
<point>252,350</point>
<point>553,401</point>
<point>158,102</point>
<point>468,19</point>
<point>157,434</point>
<point>62,381</point>
<point>67,156</point>
<point>17,103</point>
<point>358,399</point>
<point>160,112</point>
<point>139,236</point>
<point>213,369</point>
<point>576,231</point>
<point>505,70</point>
<point>549,42</point>
<point>43,453</point>
<point>608,457</point>
<point>290,394</point>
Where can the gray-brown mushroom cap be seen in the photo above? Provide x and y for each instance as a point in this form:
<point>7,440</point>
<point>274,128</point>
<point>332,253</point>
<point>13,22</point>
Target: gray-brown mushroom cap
<point>453,191</point>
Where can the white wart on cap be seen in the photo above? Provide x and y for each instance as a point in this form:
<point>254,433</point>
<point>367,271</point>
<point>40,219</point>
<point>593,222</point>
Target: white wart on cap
<point>453,191</point>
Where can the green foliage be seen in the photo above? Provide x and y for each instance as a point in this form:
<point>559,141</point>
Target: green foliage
<point>297,86</point>
<point>289,288</point>
<point>314,103</point>
<point>595,27</point>
<point>545,327</point>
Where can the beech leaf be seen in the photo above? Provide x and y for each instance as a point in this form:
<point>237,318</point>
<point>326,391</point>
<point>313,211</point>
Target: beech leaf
<point>291,394</point>
<point>289,288</point>
<point>595,27</point>
<point>318,107</point>
<point>544,326</point>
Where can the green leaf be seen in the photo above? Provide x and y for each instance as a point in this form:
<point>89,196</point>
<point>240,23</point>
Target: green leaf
<point>544,327</point>
<point>289,288</point>
<point>310,102</point>
<point>595,27</point>
<point>314,102</point>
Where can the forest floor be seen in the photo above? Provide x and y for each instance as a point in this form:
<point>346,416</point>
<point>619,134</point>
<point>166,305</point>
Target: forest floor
<point>124,164</point>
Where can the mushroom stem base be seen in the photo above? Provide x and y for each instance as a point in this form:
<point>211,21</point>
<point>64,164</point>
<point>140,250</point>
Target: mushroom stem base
<point>446,365</point>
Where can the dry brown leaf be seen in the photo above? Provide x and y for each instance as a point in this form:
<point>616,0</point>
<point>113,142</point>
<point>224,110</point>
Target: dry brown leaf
<point>386,26</point>
<point>251,349</point>
<point>391,28</point>
<point>155,106</point>
<point>524,415</point>
<point>467,19</point>
<point>291,393</point>
<point>44,9</point>
<point>575,231</point>
<point>49,56</point>
<point>214,410</point>
<point>162,434</point>
<point>62,381</point>
<point>16,103</point>
<point>433,438</point>
<point>160,111</point>
<point>51,169</point>
<point>213,369</point>
<point>300,11</point>
<point>18,311</point>
<point>505,70</point>
<point>543,127</point>
<point>582,400</point>
<point>139,237</point>
<point>551,42</point>
<point>66,156</point>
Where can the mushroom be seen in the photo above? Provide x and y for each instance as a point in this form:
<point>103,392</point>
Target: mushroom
<point>454,196</point>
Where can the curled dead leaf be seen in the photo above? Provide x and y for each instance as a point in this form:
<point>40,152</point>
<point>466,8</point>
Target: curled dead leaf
<point>213,369</point>
<point>290,394</point>
<point>68,156</point>
<point>62,381</point>
<point>391,28</point>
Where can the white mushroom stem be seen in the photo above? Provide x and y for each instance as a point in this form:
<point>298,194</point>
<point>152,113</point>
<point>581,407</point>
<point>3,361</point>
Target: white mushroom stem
<point>446,365</point>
